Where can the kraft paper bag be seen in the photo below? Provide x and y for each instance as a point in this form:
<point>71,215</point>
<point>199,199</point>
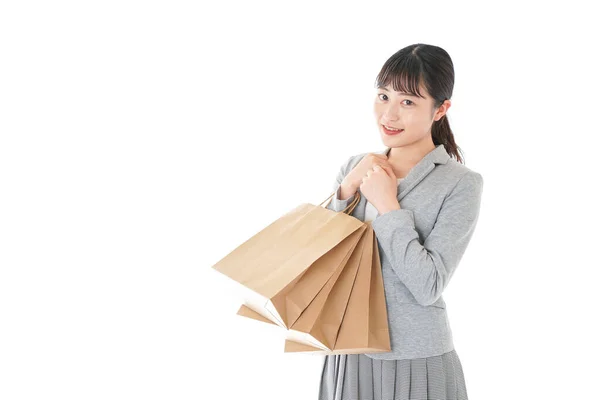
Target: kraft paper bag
<point>247,312</point>
<point>297,296</point>
<point>352,316</point>
<point>364,327</point>
<point>324,324</point>
<point>319,323</point>
<point>321,320</point>
<point>271,265</point>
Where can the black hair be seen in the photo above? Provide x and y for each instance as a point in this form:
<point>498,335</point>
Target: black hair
<point>432,67</point>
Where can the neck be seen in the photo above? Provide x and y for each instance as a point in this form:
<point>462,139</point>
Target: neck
<point>404,158</point>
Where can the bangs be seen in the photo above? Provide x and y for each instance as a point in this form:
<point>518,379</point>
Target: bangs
<point>403,74</point>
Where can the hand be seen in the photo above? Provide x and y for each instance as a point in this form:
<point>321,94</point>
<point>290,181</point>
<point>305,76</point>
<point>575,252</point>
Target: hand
<point>355,177</point>
<point>380,187</point>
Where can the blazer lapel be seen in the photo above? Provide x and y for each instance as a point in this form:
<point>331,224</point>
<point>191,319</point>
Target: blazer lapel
<point>439,155</point>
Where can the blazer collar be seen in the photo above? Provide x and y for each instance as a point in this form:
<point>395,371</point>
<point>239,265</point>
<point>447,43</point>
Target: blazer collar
<point>439,155</point>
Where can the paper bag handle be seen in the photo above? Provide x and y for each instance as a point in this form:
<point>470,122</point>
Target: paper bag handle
<point>350,207</point>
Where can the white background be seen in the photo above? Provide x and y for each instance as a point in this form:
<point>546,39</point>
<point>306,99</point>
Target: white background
<point>143,141</point>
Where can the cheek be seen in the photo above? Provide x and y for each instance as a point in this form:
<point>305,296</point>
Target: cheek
<point>410,120</point>
<point>416,120</point>
<point>377,109</point>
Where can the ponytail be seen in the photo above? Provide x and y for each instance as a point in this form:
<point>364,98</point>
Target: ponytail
<point>441,133</point>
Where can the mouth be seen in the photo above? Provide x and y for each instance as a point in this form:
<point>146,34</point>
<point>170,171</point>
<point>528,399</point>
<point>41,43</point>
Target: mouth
<point>390,132</point>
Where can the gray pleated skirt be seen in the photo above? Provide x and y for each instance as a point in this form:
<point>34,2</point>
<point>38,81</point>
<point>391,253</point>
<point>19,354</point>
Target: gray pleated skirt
<point>359,377</point>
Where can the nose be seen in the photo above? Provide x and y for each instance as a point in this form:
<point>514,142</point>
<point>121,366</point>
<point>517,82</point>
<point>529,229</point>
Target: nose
<point>390,114</point>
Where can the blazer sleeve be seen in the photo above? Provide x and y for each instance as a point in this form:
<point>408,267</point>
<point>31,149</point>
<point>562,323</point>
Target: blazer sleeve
<point>426,268</point>
<point>336,204</point>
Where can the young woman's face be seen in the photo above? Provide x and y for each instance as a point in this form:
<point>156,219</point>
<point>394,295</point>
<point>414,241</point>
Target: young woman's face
<point>413,114</point>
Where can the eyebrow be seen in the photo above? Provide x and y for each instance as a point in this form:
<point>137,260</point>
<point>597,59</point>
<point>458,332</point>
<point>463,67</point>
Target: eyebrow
<point>402,93</point>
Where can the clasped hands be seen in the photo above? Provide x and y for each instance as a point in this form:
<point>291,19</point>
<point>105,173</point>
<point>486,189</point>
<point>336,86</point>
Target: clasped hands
<point>381,189</point>
<point>377,182</point>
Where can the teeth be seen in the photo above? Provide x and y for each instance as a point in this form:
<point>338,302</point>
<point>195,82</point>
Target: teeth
<point>391,129</point>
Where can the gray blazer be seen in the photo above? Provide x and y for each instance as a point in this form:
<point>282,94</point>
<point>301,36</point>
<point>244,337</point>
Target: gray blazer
<point>420,247</point>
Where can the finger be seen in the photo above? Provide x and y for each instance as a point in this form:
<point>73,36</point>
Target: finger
<point>378,167</point>
<point>380,156</point>
<point>388,169</point>
<point>383,164</point>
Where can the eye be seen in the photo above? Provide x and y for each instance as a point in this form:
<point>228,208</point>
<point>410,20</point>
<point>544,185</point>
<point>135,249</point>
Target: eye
<point>383,94</point>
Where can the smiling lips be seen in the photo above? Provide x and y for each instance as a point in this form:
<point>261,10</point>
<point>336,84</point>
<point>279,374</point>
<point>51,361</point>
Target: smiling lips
<point>391,130</point>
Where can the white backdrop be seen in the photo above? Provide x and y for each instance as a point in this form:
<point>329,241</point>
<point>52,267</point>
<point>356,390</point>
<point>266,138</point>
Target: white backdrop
<point>143,141</point>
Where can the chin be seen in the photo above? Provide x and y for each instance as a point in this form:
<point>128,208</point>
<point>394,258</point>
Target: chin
<point>391,139</point>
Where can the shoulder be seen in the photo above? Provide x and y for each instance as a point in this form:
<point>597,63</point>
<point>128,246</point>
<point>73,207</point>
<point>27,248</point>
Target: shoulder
<point>452,173</point>
<point>461,178</point>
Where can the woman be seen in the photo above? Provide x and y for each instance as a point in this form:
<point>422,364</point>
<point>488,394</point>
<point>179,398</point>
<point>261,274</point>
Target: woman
<point>423,206</point>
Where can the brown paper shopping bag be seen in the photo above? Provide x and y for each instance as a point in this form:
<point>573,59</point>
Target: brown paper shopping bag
<point>313,282</point>
<point>319,323</point>
<point>307,244</point>
<point>349,318</point>
<point>364,328</point>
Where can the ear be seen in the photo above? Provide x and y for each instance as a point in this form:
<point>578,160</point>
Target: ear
<point>442,110</point>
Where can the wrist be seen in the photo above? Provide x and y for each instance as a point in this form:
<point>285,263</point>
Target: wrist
<point>347,190</point>
<point>395,205</point>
